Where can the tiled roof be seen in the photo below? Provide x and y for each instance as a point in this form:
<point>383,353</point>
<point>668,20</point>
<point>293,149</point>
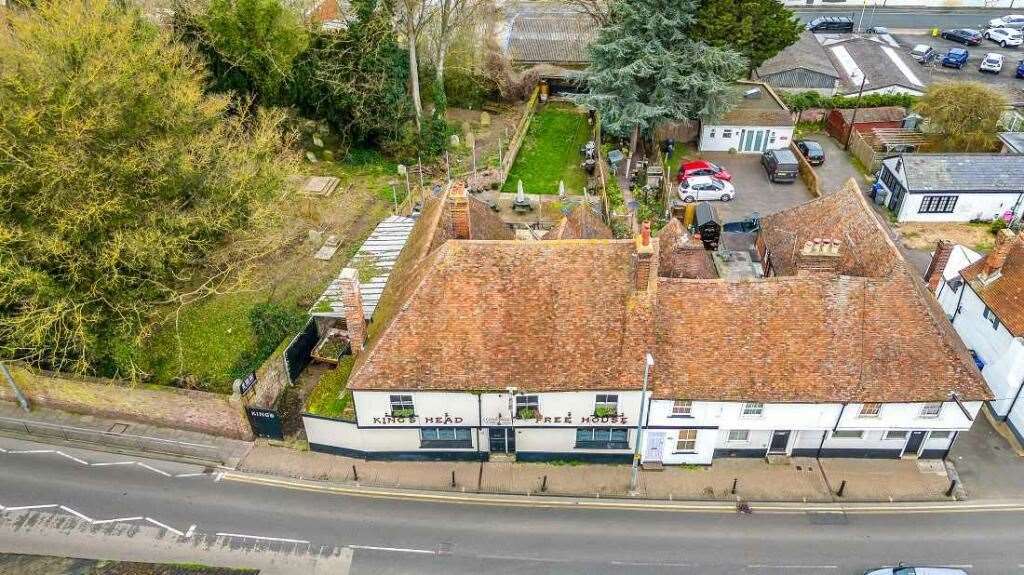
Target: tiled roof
<point>1004,294</point>
<point>550,39</point>
<point>866,250</point>
<point>763,110</point>
<point>806,53</point>
<point>381,250</point>
<point>873,115</point>
<point>565,316</point>
<point>964,172</point>
<point>536,315</point>
<point>582,223</point>
<point>682,256</point>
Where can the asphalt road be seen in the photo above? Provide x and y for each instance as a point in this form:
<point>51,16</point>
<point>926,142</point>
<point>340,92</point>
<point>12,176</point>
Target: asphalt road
<point>405,536</point>
<point>910,17</point>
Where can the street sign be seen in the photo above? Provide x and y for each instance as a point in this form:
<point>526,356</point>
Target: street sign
<point>265,422</point>
<point>247,383</point>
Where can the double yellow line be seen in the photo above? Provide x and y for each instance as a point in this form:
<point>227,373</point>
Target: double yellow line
<point>549,502</point>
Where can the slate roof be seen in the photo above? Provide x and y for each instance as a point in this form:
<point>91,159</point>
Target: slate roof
<point>551,39</point>
<point>764,110</point>
<point>1014,141</point>
<point>806,53</point>
<point>1004,294</point>
<point>582,223</point>
<point>382,249</point>
<point>963,172</point>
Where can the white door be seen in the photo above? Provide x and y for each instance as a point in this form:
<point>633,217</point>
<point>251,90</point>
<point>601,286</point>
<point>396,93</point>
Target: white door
<point>655,446</point>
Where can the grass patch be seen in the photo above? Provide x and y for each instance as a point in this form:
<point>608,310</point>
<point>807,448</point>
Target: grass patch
<point>551,152</point>
<point>329,397</point>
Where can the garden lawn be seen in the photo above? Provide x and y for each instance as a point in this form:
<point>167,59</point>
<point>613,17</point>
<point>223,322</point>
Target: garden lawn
<point>551,152</point>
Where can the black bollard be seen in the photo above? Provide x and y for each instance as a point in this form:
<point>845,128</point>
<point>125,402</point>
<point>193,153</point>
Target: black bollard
<point>735,480</point>
<point>952,486</point>
<point>544,484</point>
<point>842,488</point>
<point>355,474</point>
<point>453,478</point>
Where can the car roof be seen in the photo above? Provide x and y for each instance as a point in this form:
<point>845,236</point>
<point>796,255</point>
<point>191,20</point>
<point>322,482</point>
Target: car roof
<point>696,164</point>
<point>922,47</point>
<point>957,50</point>
<point>811,143</point>
<point>993,55</point>
<point>700,179</point>
<point>969,30</point>
<point>784,155</point>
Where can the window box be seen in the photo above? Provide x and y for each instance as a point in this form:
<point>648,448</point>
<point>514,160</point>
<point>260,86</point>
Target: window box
<point>605,411</point>
<point>403,412</point>
<point>527,413</point>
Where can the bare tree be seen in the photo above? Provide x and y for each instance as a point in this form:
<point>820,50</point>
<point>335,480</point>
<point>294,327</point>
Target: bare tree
<point>452,15</point>
<point>413,17</point>
<point>596,10</point>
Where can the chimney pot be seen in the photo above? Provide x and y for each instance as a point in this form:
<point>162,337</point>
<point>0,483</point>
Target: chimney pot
<point>642,258</point>
<point>645,233</point>
<point>459,204</point>
<point>820,255</point>
<point>933,277</point>
<point>352,301</point>
<point>997,257</point>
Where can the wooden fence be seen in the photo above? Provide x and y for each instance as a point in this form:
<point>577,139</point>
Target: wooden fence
<point>807,173</point>
<point>517,137</point>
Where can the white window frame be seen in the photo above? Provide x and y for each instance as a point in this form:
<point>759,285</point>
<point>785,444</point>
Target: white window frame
<point>949,434</point>
<point>864,413</point>
<point>400,402</point>
<point>680,439</point>
<point>859,432</point>
<point>749,409</point>
<point>927,408</point>
<point>744,439</point>
<point>682,408</point>
<point>991,317</point>
<point>890,437</point>
<point>606,400</point>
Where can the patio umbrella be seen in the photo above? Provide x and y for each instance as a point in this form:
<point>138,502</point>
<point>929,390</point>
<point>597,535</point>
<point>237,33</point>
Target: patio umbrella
<point>520,194</point>
<point>561,188</point>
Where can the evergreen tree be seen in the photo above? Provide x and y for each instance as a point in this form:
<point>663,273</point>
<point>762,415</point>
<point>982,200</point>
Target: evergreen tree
<point>645,68</point>
<point>758,29</point>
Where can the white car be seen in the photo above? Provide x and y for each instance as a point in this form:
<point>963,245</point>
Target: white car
<point>700,188</point>
<point>1004,36</point>
<point>1015,21</point>
<point>992,62</point>
<point>902,569</point>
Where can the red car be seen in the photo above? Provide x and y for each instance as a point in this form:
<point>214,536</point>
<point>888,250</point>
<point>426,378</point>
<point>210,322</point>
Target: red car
<point>702,168</point>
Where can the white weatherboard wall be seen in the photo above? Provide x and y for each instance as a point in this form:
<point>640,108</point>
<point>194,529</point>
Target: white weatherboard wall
<point>718,138</point>
<point>969,206</point>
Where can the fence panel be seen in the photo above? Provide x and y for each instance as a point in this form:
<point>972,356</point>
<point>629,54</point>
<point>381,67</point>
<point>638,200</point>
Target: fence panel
<point>298,354</point>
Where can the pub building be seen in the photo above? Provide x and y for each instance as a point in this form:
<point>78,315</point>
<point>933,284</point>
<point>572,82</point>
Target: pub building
<point>813,339</point>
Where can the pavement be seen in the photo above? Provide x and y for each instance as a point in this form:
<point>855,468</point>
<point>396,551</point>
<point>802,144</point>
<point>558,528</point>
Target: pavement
<point>917,17</point>
<point>97,505</point>
<point>989,466</point>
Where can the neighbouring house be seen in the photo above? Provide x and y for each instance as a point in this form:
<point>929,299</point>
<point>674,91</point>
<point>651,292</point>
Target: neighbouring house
<point>581,223</point>
<point>760,121</point>
<point>1013,142</point>
<point>838,121</point>
<point>951,187</point>
<point>874,63</point>
<point>983,296</point>
<point>556,42</point>
<point>829,345</point>
<point>800,67</point>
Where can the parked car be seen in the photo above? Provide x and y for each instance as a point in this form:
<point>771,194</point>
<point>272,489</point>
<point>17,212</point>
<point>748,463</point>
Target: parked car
<point>746,226</point>
<point>1015,21</point>
<point>955,58</point>
<point>831,24</point>
<point>923,53</point>
<point>1004,36</point>
<point>811,150</point>
<point>992,62</point>
<point>902,569</point>
<point>1020,69</point>
<point>878,30</point>
<point>780,165</point>
<point>965,36</point>
<point>699,188</point>
<point>702,168</point>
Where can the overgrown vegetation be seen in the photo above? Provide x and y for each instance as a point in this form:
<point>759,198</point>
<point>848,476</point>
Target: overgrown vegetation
<point>121,178</point>
<point>801,101</point>
<point>757,29</point>
<point>966,114</point>
<point>551,152</point>
<point>330,398</point>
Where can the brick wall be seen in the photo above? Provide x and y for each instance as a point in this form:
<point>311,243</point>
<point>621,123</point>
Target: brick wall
<point>174,408</point>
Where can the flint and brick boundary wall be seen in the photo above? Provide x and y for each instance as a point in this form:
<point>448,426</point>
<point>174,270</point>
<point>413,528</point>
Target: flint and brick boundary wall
<point>188,410</point>
<point>807,173</point>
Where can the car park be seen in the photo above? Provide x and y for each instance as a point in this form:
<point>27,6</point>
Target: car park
<point>702,168</point>
<point>923,53</point>
<point>902,569</point>
<point>831,24</point>
<point>1004,36</point>
<point>1015,21</point>
<point>955,58</point>
<point>992,62</point>
<point>965,36</point>
<point>700,188</point>
<point>780,165</point>
<point>811,150</point>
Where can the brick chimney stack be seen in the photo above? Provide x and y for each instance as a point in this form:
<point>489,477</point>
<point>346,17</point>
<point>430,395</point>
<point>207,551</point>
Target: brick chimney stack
<point>997,257</point>
<point>819,256</point>
<point>642,258</point>
<point>459,204</point>
<point>352,300</point>
<point>933,277</point>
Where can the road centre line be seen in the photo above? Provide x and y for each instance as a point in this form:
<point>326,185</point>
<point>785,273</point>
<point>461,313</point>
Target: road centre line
<point>165,526</point>
<point>262,538</point>
<point>792,567</point>
<point>98,464</point>
<point>394,549</point>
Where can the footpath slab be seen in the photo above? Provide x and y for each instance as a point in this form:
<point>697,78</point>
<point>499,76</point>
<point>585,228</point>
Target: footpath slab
<point>798,480</point>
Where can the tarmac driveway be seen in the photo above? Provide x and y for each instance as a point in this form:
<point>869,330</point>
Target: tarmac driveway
<point>754,193</point>
<point>838,168</point>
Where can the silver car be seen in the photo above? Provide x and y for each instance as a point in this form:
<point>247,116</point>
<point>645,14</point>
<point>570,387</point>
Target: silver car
<point>908,570</point>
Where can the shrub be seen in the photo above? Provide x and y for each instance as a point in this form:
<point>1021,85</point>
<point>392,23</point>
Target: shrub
<point>271,323</point>
<point>997,225</point>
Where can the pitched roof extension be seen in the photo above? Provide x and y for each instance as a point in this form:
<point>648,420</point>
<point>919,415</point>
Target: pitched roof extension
<point>1004,294</point>
<point>806,53</point>
<point>582,223</point>
<point>996,173</point>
